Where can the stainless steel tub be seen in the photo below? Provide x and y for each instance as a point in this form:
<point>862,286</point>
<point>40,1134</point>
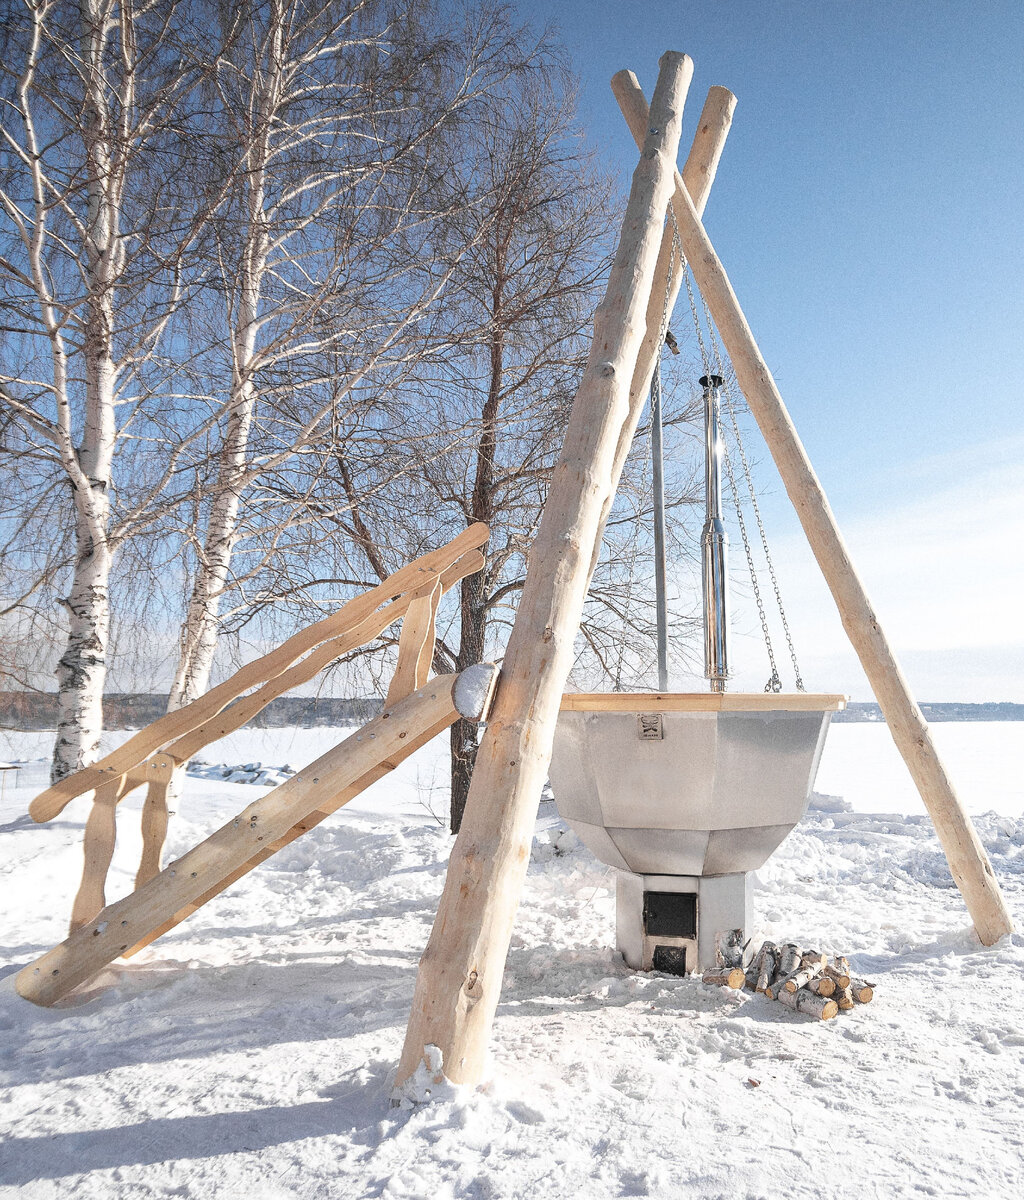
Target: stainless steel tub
<point>681,784</point>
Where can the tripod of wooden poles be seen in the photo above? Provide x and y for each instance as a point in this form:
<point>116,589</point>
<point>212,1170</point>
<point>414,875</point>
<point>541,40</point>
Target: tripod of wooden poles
<point>460,974</point>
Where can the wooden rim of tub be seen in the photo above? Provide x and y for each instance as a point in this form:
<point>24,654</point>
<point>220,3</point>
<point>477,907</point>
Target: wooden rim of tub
<point>642,702</point>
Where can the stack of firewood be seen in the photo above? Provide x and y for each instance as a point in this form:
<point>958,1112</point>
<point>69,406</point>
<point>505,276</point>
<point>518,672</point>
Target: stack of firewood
<point>805,980</point>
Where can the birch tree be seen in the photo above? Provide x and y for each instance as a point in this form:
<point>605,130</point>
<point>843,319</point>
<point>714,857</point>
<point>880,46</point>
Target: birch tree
<point>93,102</point>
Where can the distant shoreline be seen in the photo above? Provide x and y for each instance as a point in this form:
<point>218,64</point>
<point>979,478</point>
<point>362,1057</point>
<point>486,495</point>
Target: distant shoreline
<point>33,711</point>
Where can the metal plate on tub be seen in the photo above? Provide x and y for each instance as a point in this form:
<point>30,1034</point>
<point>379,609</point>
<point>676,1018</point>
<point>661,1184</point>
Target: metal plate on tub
<point>650,727</point>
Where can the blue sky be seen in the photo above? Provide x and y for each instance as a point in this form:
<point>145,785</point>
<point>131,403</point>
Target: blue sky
<point>870,212</point>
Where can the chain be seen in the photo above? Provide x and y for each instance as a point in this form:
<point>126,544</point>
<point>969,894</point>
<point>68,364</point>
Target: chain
<point>774,683</point>
<point>731,409</point>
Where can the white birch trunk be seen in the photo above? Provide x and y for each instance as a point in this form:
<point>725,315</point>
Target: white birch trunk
<point>199,633</point>
<point>81,671</point>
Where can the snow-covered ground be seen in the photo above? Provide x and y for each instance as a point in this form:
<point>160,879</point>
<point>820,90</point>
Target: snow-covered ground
<point>249,1052</point>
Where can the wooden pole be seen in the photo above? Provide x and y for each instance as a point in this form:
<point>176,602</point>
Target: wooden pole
<point>459,980</point>
<point>967,859</point>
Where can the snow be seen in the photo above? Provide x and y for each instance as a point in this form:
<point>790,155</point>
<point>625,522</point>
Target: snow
<point>250,1052</point>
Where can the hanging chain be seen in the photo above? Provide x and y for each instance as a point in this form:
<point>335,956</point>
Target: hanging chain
<point>731,408</point>
<point>774,683</point>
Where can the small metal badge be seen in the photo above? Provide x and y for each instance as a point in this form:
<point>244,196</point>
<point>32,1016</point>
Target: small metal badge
<point>649,727</point>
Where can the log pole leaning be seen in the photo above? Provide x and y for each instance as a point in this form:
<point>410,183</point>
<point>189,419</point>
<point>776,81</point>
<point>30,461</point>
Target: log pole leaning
<point>459,981</point>
<point>967,859</point>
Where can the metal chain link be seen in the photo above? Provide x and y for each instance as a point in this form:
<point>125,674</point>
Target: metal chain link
<point>774,683</point>
<point>731,409</point>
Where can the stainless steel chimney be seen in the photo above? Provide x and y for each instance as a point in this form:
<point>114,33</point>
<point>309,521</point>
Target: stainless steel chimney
<point>714,544</point>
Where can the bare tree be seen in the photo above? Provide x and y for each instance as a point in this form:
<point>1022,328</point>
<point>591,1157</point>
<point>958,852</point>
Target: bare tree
<point>495,405</point>
<point>339,125</point>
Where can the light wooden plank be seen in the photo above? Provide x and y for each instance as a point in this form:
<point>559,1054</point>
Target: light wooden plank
<point>415,645</point>
<point>98,849</point>
<point>49,803</point>
<point>328,806</point>
<point>635,702</point>
<point>238,714</point>
<point>128,921</point>
<point>154,817</point>
<point>459,980</point>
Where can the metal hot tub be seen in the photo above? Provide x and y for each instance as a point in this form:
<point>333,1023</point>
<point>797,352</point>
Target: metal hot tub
<point>685,794</point>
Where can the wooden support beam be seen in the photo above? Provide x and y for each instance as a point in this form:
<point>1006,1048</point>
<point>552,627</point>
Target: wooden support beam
<point>127,922</point>
<point>486,675</point>
<point>245,709</point>
<point>459,980</point>
<point>98,849</point>
<point>967,859</point>
<point>154,818</point>
<point>49,803</point>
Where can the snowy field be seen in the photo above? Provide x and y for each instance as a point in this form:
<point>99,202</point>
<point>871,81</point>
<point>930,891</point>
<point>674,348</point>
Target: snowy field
<point>249,1052</point>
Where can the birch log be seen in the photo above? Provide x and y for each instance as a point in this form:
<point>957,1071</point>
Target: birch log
<point>967,859</point>
<point>732,977</point>
<point>459,980</point>
<point>806,1002</point>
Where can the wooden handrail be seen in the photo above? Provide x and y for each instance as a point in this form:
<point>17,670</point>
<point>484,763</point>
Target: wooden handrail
<point>174,725</point>
<point>419,602</point>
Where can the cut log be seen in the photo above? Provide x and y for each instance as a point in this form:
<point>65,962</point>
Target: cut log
<point>822,986</point>
<point>838,975</point>
<point>789,961</point>
<point>813,956</point>
<point>802,977</point>
<point>459,980</point>
<point>770,954</point>
<point>754,970</point>
<point>862,992</point>
<point>968,863</point>
<point>844,997</point>
<point>803,1001</point>
<point>725,977</point>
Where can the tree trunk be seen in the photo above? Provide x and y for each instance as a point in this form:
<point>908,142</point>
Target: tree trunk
<point>473,612</point>
<point>82,669</point>
<point>463,735</point>
<point>199,633</point>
